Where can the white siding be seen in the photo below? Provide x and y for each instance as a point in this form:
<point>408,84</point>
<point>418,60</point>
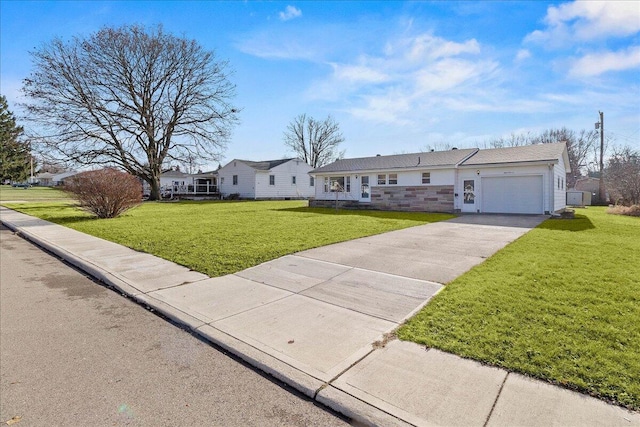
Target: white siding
<point>405,179</point>
<point>283,186</point>
<point>559,194</point>
<point>246,179</point>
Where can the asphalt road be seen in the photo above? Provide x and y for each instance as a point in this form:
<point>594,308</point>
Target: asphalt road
<point>75,353</point>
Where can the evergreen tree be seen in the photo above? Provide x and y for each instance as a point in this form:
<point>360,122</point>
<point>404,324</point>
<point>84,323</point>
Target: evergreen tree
<point>14,153</point>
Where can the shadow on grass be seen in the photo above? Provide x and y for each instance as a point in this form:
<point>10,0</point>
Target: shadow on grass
<point>408,216</point>
<point>38,212</point>
<point>579,223</point>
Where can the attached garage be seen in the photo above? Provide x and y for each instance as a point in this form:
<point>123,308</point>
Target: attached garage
<point>512,194</point>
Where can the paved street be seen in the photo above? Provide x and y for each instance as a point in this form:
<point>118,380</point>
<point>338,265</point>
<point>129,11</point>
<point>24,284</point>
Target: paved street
<point>73,352</point>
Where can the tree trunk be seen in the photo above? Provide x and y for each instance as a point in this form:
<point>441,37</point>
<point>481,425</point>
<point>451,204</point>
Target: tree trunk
<point>155,189</point>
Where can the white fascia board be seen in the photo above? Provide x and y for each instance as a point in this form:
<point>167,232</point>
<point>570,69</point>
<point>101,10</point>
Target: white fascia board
<point>512,164</point>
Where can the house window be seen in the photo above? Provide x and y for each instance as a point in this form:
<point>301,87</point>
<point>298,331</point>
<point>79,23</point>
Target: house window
<point>293,180</point>
<point>382,179</point>
<point>563,183</point>
<point>312,182</point>
<point>222,180</point>
<point>393,178</point>
<point>337,183</point>
<point>426,177</point>
<point>235,179</point>
<point>272,180</point>
<point>558,183</point>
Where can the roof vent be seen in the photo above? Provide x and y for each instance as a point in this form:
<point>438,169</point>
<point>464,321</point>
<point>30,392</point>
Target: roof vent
<point>432,150</point>
<point>377,155</point>
<point>454,148</point>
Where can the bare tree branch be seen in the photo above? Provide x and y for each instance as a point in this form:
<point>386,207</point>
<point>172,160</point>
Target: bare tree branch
<point>316,142</point>
<point>130,97</point>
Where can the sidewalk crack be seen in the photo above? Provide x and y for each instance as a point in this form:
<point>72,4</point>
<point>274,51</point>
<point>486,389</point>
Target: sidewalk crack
<point>496,401</point>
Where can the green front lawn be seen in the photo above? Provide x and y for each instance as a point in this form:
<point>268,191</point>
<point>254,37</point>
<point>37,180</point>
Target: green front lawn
<point>561,303</point>
<point>218,238</point>
<point>9,193</point>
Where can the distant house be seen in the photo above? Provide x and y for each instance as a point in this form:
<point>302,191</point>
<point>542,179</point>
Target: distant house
<point>175,183</point>
<point>591,185</point>
<point>524,180</point>
<point>268,179</point>
<point>47,179</point>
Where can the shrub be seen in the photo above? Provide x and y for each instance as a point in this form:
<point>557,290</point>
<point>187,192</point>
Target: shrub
<point>633,210</point>
<point>106,193</point>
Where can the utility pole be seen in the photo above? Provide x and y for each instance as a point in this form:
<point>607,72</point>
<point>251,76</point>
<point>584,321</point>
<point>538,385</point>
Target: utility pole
<point>601,191</point>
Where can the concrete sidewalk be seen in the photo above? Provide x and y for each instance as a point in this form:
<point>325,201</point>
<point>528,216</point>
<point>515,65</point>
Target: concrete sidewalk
<point>318,321</point>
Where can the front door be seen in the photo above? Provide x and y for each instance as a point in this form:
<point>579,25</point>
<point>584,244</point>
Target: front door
<point>365,190</point>
<point>469,195</point>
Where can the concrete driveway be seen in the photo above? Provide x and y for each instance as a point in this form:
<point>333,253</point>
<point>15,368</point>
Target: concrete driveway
<point>437,252</point>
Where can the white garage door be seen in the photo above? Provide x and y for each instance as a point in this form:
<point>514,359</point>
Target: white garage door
<point>512,194</point>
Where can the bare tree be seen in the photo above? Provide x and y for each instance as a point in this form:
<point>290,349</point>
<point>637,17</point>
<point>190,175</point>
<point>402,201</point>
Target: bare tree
<point>130,97</point>
<point>438,146</point>
<point>513,140</point>
<point>316,142</point>
<point>623,176</point>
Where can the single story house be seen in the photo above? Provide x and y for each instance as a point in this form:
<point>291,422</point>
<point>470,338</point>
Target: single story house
<point>47,179</point>
<point>268,179</point>
<point>174,183</point>
<point>524,180</point>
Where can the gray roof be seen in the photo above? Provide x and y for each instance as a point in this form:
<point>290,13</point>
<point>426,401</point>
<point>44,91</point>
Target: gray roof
<point>525,153</point>
<point>265,165</point>
<point>398,161</point>
<point>174,174</point>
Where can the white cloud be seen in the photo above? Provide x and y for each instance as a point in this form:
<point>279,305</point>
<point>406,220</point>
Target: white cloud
<point>594,64</point>
<point>588,20</point>
<point>411,75</point>
<point>290,12</point>
<point>522,55</point>
<point>429,47</point>
<point>358,73</point>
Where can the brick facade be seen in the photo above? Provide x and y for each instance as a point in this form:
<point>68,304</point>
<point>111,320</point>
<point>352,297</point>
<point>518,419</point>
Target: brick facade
<point>432,198</point>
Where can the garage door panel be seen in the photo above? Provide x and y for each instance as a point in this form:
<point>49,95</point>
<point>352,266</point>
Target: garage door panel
<point>512,194</point>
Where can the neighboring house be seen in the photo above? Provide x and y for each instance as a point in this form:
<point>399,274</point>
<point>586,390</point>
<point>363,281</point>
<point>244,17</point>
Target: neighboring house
<point>58,179</point>
<point>269,179</point>
<point>525,180</point>
<point>45,179</point>
<point>176,183</point>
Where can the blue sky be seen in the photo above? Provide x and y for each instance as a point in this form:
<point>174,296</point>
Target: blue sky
<point>397,76</point>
